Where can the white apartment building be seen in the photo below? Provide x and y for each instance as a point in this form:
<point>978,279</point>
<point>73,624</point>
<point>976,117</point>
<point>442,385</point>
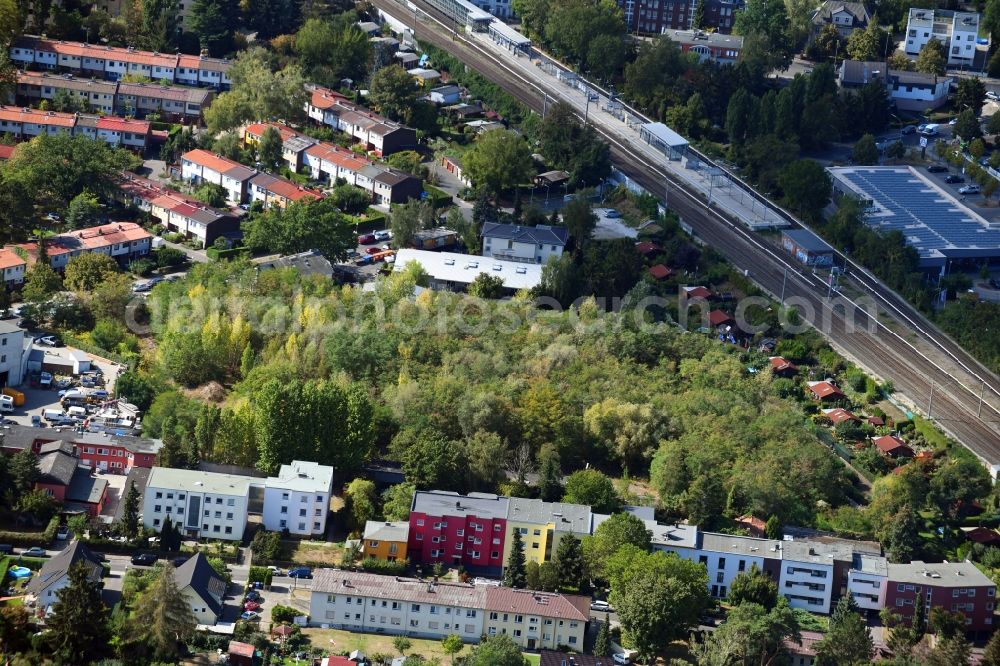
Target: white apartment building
<point>723,555</point>
<point>391,605</point>
<point>533,245</point>
<point>867,580</point>
<point>957,31</point>
<point>202,504</point>
<point>13,354</point>
<point>807,579</point>
<point>298,498</point>
<point>198,166</point>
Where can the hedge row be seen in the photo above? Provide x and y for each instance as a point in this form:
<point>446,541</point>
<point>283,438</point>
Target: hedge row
<point>438,198</point>
<point>216,254</point>
<point>383,567</point>
<point>260,575</point>
<point>29,539</point>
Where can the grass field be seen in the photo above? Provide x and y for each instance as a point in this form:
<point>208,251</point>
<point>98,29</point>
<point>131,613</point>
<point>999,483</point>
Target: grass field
<point>316,553</point>
<point>346,641</point>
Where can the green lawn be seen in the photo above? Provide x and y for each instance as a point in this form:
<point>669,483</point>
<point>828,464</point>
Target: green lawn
<point>346,641</point>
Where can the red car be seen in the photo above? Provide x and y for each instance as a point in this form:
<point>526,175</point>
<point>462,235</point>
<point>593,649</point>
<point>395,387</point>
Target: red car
<point>375,249</point>
<point>251,606</point>
<point>366,239</point>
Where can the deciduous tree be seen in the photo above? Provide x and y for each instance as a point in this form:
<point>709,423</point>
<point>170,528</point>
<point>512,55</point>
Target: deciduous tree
<point>849,641</point>
<point>87,271</point>
<point>932,58</point>
<point>362,502</point>
<point>592,488</point>
<point>499,160</point>
<point>269,148</point>
<point>754,587</point>
<point>303,225</point>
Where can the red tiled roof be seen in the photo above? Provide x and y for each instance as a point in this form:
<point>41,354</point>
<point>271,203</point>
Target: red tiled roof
<point>6,152</point>
<point>781,364</point>
<point>839,415</point>
<point>876,420</point>
<point>287,189</point>
<point>697,292</point>
<point>645,247</point>
<point>9,259</point>
<point>109,234</point>
<point>208,159</point>
<point>258,129</point>
<point>336,661</point>
<point>660,272</point>
<point>718,318</point>
<point>892,446</point>
<point>824,390</point>
<point>982,535</point>
<point>337,155</point>
<point>545,604</point>
<point>123,125</point>
<point>325,99</point>
<point>17,114</point>
<point>241,649</point>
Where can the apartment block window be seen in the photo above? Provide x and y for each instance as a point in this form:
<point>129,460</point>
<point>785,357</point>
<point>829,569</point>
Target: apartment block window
<point>156,509</point>
<point>319,498</point>
<point>284,496</point>
<point>302,512</point>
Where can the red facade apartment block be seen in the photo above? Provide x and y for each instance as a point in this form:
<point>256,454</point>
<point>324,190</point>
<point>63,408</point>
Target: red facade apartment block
<point>954,586</point>
<point>458,530</point>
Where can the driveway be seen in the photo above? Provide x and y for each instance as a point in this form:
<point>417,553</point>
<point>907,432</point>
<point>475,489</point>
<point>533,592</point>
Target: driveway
<point>196,256</point>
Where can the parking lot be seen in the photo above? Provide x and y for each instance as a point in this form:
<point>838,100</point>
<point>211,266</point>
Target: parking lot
<point>37,400</point>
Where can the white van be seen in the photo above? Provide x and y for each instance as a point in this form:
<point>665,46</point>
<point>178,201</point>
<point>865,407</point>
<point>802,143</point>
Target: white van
<point>77,412</point>
<point>6,403</point>
<point>53,415</point>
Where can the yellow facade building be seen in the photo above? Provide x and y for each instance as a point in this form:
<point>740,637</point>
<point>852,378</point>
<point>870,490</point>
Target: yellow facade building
<point>385,541</point>
<point>543,524</point>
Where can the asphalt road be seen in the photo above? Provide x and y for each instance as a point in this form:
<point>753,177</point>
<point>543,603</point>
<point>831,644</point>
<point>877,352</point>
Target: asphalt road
<point>924,365</point>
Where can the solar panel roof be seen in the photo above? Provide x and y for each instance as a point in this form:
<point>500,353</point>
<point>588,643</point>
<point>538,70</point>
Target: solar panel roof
<point>931,219</point>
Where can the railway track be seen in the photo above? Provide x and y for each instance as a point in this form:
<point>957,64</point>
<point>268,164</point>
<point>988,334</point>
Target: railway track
<point>881,351</point>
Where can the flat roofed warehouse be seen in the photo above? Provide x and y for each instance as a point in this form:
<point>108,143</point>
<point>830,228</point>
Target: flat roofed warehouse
<point>932,220</point>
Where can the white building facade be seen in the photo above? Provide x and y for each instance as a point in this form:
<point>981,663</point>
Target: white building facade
<point>533,245</point>
<point>298,499</point>
<point>867,580</point>
<point>202,504</point>
<point>957,31</point>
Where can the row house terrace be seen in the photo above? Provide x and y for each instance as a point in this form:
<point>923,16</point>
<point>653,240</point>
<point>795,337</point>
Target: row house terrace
<point>176,211</point>
<point>101,451</point>
<point>24,123</point>
<point>376,133</point>
<point>278,192</point>
<point>122,241</point>
<point>327,163</point>
<point>99,96</point>
<point>113,63</point>
<point>201,166</point>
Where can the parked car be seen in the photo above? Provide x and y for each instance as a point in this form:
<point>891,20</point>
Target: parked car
<point>612,214</point>
<point>276,571</point>
<point>969,189</point>
<point>36,421</point>
<point>374,249</point>
<point>366,239</point>
<point>599,605</point>
<point>35,551</point>
<point>250,616</point>
<point>930,129</point>
<point>954,178</point>
<point>254,595</point>
<point>383,235</point>
<point>251,606</point>
<point>144,559</point>
<point>45,380</point>
<point>50,341</point>
<point>937,168</point>
<point>63,532</point>
<point>992,95</point>
<point>300,572</point>
<point>621,658</point>
<point>909,129</point>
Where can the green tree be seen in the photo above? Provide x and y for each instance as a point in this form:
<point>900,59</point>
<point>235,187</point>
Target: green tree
<point>269,148</point>
<point>751,634</point>
<point>754,587</point>
<point>55,168</point>
<point>772,528</point>
<point>592,488</point>
<point>991,655</point>
<point>405,220</point>
<point>83,210</point>
<point>332,50</point>
<point>967,126</point>
<point>40,282</point>
<point>569,145</point>
<point>658,600</point>
<point>866,45</point>
<point>266,546</point>
<point>932,58</point>
<point>549,475</point>
<point>452,644</point>
<point>393,92</point>
<point>303,225</point>
<point>806,187</point>
<point>257,91</point>
<point>397,500</point>
<point>159,23</point>
<point>958,483</point>
<point>619,530</point>
<point>37,503</point>
<point>865,152</point>
<point>402,644</point>
<point>129,523</point>
<point>950,652</point>
<point>162,619</point>
<point>903,539</point>
<point>704,500</point>
<point>971,94</point>
<point>697,23</point>
<point>23,472</point>
<point>362,503</point>
<point>515,573</point>
<point>764,25</point>
<point>87,271</point>
<point>500,650</point>
<point>499,160</point>
<point>579,219</point>
<point>849,641</point>
<point>77,630</point>
<point>214,21</point>
<point>570,566</point>
<point>602,644</point>
<point>896,151</point>
<point>487,286</point>
<point>270,18</point>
